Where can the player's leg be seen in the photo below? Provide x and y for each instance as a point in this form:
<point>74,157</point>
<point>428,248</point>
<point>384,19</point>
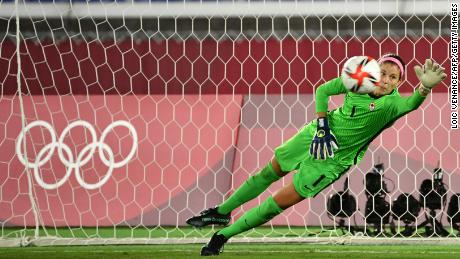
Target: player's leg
<point>312,177</point>
<point>250,189</point>
<point>253,187</point>
<point>305,184</point>
<point>272,206</point>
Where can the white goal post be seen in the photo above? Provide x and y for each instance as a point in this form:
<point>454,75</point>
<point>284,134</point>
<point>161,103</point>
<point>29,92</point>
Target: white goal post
<point>121,119</point>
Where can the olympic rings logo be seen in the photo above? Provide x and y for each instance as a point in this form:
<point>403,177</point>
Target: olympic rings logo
<point>85,155</point>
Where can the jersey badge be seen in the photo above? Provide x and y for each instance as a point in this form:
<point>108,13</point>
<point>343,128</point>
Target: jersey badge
<point>372,106</point>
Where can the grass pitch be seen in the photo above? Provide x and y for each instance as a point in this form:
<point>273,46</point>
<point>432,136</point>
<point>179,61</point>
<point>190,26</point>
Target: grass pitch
<point>235,251</point>
<point>232,250</point>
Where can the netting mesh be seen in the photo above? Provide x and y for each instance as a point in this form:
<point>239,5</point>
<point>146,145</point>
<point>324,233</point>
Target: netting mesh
<point>135,121</point>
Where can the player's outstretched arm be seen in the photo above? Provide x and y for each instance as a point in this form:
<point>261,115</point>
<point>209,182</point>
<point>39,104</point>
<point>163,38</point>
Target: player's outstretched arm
<point>324,141</point>
<point>330,88</point>
<point>430,75</point>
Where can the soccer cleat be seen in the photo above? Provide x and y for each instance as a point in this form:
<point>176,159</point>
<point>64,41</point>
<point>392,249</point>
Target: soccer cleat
<point>215,245</point>
<point>209,217</point>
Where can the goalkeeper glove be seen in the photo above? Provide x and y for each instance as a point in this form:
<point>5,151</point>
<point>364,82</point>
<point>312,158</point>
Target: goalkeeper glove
<point>430,75</point>
<point>324,141</point>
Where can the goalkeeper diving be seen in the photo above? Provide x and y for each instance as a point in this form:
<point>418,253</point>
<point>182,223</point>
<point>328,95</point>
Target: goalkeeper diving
<point>323,150</point>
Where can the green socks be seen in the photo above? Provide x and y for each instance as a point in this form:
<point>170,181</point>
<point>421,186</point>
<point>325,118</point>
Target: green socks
<point>250,189</point>
<point>253,218</point>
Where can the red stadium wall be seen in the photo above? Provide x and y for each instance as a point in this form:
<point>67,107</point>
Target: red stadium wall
<point>200,67</point>
<point>182,151</point>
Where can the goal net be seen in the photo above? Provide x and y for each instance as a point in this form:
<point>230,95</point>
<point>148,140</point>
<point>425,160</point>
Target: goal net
<point>121,119</point>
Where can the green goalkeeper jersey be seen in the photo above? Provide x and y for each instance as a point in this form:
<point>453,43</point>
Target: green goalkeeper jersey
<point>361,118</point>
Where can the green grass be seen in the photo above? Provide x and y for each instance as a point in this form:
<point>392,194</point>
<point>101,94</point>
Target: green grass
<point>235,251</point>
<point>232,250</point>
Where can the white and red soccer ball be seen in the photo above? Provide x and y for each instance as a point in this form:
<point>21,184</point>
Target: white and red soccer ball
<point>361,74</point>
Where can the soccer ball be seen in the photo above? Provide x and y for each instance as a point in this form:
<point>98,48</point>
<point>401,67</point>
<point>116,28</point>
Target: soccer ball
<point>361,74</point>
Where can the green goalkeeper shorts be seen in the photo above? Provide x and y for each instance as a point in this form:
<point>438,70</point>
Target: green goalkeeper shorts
<point>312,175</point>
